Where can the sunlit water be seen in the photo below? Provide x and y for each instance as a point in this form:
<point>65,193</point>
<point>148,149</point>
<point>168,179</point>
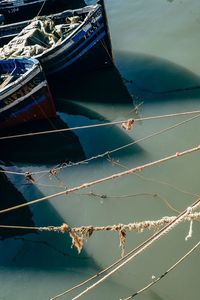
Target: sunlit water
<point>156,50</point>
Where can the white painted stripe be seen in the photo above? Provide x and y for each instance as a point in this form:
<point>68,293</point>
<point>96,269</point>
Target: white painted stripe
<point>15,85</point>
<point>68,63</point>
<point>15,102</point>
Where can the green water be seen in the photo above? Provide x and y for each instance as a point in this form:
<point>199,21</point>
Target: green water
<point>156,50</point>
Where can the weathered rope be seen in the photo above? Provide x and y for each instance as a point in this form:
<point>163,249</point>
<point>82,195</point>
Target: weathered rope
<point>112,265</point>
<point>143,246</point>
<point>84,232</point>
<point>100,125</point>
<point>101,180</point>
<point>102,155</point>
<point>164,274</point>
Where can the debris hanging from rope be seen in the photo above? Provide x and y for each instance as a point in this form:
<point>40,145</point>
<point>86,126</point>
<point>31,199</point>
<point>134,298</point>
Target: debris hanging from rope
<point>102,180</point>
<point>82,233</point>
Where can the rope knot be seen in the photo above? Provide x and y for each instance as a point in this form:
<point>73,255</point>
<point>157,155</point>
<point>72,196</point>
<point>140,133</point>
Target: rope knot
<point>53,172</point>
<point>64,228</point>
<point>128,125</point>
<point>29,177</point>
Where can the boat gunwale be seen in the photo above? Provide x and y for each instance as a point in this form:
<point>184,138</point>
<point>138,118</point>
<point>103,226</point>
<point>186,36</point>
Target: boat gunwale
<point>87,8</point>
<point>11,6</point>
<point>90,10</point>
<point>45,54</point>
<point>13,86</point>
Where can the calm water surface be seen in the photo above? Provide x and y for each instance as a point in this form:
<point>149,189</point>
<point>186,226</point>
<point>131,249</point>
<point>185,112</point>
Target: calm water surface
<point>156,50</point>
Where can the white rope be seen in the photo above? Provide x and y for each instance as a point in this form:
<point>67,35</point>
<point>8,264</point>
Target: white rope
<point>66,165</point>
<point>96,125</point>
<point>154,238</point>
<point>101,180</point>
<point>155,280</point>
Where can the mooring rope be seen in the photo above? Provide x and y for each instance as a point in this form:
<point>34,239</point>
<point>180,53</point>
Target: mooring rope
<point>89,230</point>
<point>80,234</point>
<point>153,195</point>
<point>102,180</point>
<point>101,155</point>
<point>134,251</point>
<point>136,226</point>
<point>98,125</point>
<point>143,247</point>
<point>155,280</point>
<point>41,8</point>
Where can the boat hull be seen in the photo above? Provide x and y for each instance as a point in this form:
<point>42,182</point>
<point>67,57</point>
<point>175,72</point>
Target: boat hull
<point>87,47</point>
<point>28,10</point>
<point>27,100</point>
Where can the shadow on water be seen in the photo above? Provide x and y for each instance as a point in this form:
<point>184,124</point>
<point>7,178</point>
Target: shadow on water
<point>10,196</point>
<point>71,146</point>
<point>99,140</point>
<point>59,147</point>
<point>43,148</point>
<point>151,78</point>
<point>46,250</point>
<point>42,264</point>
<point>105,86</point>
<point>34,249</point>
<point>101,86</point>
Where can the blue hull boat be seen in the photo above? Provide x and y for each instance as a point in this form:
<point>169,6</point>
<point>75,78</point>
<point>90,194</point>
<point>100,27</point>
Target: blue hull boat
<point>24,92</point>
<point>81,40</point>
<point>12,10</point>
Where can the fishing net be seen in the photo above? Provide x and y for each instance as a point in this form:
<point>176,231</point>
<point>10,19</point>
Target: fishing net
<point>41,34</point>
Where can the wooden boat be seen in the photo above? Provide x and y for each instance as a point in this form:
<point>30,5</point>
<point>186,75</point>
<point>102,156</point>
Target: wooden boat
<point>24,92</point>
<point>74,40</point>
<point>12,10</point>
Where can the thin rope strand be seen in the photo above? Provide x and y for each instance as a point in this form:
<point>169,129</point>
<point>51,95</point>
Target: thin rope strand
<point>101,180</point>
<point>164,274</point>
<point>96,125</point>
<point>58,167</point>
<point>106,269</point>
